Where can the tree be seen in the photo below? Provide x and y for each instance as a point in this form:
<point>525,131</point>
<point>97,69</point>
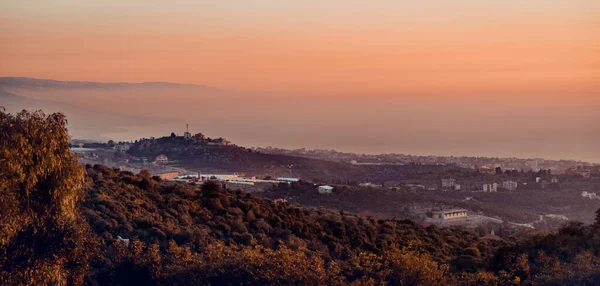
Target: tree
<point>598,217</point>
<point>498,171</point>
<point>43,237</point>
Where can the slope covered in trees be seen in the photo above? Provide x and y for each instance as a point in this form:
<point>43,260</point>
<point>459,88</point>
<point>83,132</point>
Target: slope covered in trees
<point>60,225</point>
<point>223,231</point>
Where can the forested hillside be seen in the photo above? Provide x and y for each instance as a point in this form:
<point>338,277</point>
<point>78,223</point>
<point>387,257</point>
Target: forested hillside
<point>65,224</point>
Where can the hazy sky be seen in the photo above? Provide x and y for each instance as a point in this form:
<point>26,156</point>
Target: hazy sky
<point>490,61</point>
<point>316,47</point>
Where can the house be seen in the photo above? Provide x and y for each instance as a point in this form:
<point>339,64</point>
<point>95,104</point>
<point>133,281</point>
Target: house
<point>325,189</point>
<point>161,159</point>
<point>451,214</point>
<point>510,185</point>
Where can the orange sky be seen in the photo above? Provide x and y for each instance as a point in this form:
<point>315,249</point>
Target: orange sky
<point>518,48</point>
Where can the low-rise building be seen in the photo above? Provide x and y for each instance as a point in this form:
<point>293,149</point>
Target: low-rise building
<point>510,185</point>
<point>161,159</point>
<point>491,188</point>
<point>225,177</point>
<point>450,214</point>
<point>325,189</point>
<point>288,179</point>
<point>448,183</point>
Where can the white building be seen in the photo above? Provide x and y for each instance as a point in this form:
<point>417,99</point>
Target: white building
<point>288,179</point>
<point>325,189</point>
<point>451,214</point>
<point>492,188</point>
<point>510,185</point>
<point>187,135</point>
<point>448,183</point>
<point>161,159</point>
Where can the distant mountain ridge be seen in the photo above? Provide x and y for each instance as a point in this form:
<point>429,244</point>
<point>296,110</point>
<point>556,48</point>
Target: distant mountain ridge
<point>27,82</point>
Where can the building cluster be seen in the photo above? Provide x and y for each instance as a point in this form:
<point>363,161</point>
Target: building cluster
<point>235,182</point>
<point>452,184</point>
<point>483,164</point>
<point>198,138</point>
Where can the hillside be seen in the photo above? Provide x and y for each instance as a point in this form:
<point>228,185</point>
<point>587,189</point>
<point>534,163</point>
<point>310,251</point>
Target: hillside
<point>243,232</point>
<point>203,155</point>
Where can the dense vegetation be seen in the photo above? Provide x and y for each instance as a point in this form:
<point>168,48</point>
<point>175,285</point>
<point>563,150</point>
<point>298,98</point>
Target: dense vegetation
<point>60,224</point>
<point>43,237</point>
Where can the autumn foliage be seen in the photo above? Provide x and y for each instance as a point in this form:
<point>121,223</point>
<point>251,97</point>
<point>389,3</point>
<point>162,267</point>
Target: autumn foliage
<point>43,237</point>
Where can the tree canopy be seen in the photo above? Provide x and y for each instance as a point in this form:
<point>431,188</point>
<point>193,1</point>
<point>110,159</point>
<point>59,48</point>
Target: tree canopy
<point>40,190</point>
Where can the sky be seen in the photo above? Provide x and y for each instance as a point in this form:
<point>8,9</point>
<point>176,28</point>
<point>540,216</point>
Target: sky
<point>481,58</point>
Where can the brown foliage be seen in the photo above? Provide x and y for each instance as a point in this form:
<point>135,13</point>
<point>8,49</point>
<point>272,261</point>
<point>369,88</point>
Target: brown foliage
<point>43,238</point>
